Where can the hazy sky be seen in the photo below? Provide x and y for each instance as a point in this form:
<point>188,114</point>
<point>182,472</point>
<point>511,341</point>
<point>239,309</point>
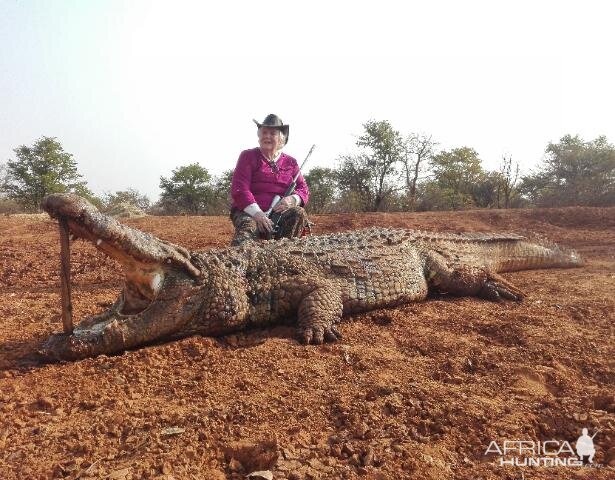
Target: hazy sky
<point>134,89</point>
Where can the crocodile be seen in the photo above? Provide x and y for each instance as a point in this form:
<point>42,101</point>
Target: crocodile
<point>170,292</point>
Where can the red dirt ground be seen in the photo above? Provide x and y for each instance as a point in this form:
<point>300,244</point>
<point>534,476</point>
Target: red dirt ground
<point>418,391</point>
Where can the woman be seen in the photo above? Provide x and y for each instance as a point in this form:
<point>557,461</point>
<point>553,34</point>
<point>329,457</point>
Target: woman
<point>261,174</point>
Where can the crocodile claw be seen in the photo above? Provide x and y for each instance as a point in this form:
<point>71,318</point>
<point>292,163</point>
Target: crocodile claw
<point>319,335</point>
<point>497,288</point>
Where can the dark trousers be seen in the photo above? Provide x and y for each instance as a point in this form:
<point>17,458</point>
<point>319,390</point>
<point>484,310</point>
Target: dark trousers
<point>291,224</point>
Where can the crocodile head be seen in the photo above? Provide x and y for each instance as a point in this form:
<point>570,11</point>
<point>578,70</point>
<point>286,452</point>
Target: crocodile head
<point>155,301</point>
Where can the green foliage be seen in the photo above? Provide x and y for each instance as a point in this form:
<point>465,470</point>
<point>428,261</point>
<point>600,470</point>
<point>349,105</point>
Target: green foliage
<point>322,183</point>
<point>372,176</point>
<point>433,197</point>
<point>384,143</point>
<point>574,172</point>
<point>487,190</point>
<point>355,180</point>
<point>458,177</point>
<point>40,170</point>
<point>130,196</point>
<point>220,202</point>
<point>187,191</point>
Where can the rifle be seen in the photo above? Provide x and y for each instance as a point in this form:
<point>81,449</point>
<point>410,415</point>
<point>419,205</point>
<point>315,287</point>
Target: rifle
<point>274,216</point>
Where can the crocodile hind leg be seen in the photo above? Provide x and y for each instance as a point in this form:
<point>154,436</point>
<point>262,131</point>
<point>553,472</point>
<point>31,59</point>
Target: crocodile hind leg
<point>319,312</point>
<point>465,280</point>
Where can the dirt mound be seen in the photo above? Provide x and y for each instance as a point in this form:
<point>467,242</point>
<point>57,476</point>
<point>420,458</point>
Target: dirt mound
<point>414,392</point>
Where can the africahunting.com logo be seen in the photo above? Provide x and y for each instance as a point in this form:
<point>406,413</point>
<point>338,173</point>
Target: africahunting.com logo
<point>545,453</point>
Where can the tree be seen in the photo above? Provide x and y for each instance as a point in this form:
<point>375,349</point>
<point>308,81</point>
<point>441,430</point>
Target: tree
<point>368,180</point>
<point>3,174</point>
<point>130,196</point>
<point>487,190</point>
<point>322,183</point>
<point>384,147</point>
<point>417,150</point>
<point>508,176</point>
<point>220,202</point>
<point>187,191</point>
<point>355,182</point>
<point>457,178</point>
<point>40,170</point>
<point>574,172</point>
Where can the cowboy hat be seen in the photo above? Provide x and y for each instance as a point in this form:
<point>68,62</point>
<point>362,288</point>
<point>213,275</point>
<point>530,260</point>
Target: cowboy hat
<point>273,121</point>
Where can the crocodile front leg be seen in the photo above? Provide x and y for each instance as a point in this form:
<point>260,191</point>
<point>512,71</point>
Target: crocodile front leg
<point>320,310</point>
<point>465,280</point>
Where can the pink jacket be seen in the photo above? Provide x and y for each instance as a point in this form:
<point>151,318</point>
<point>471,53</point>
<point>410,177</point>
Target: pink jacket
<point>254,180</point>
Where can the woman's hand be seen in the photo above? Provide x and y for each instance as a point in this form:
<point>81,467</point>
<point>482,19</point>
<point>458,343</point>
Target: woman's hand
<point>263,223</point>
<point>285,204</point>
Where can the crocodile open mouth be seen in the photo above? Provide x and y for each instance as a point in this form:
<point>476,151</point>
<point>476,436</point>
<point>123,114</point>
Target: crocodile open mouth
<point>143,280</point>
<point>157,277</point>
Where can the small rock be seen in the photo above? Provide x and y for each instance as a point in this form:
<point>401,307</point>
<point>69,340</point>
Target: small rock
<point>361,430</point>
<point>348,449</point>
<point>368,457</point>
<point>288,465</point>
<point>119,474</point>
<point>264,474</point>
<point>336,451</point>
<point>235,465</point>
<point>371,396</point>
<point>172,431</point>
<point>354,460</point>
<point>393,407</point>
<point>287,453</point>
<point>316,464</point>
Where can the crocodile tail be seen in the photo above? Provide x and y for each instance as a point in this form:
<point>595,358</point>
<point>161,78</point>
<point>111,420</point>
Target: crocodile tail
<point>510,256</point>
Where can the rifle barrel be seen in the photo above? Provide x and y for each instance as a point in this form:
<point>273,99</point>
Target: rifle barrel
<point>306,159</point>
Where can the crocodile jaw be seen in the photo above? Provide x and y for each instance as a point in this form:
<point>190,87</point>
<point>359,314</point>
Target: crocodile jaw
<point>157,275</point>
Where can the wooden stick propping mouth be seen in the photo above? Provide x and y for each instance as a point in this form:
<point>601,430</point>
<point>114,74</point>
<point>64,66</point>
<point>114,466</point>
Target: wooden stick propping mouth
<point>67,305</point>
